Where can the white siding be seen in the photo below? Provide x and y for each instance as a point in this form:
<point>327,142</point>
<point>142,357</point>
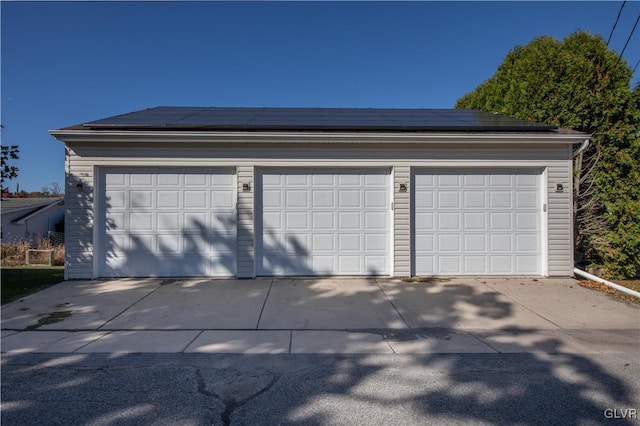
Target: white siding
<point>246,243</point>
<point>78,218</point>
<point>560,217</point>
<point>401,224</point>
<point>84,157</point>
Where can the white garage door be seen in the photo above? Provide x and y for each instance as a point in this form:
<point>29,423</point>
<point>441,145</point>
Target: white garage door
<point>476,222</point>
<point>168,222</point>
<point>323,222</point>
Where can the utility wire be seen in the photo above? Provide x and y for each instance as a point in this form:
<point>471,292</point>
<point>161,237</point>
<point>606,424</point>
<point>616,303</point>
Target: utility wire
<point>616,23</point>
<point>629,38</point>
<point>635,67</point>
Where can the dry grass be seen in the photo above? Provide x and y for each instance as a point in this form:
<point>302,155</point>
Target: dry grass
<point>14,253</point>
<point>633,284</point>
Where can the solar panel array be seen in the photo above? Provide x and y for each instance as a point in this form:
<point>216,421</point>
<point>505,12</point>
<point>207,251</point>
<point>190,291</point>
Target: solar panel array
<point>322,119</point>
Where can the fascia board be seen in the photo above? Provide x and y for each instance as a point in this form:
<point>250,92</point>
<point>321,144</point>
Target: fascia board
<point>70,136</point>
<point>40,210</point>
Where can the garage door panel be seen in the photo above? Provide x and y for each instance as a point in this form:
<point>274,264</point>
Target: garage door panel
<point>167,243</point>
<point>526,199</point>
<point>475,264</point>
<point>500,242</point>
<point>349,242</point>
<point>272,198</point>
<point>375,243</point>
<point>526,221</point>
<point>474,180</point>
<point>142,221</point>
<point>349,199</point>
<point>474,199</point>
<point>272,220</point>
<point>331,212</point>
<point>351,179</point>
<point>449,221</point>
<point>171,180</point>
<point>500,221</point>
<point>296,199</point>
<point>349,220</point>
<point>526,265</point>
<point>296,220</point>
<point>527,243</point>
<point>376,220</point>
<point>349,264</point>
<point>168,199</point>
<point>486,222</point>
<point>294,179</point>
<point>323,243</point>
<point>161,222</point>
<point>448,242</point>
<point>223,199</point>
<point>297,244</point>
<point>449,265</point>
<point>116,199</point>
<point>424,243</point>
<point>323,263</point>
<point>475,221</point>
<point>501,264</point>
<point>424,221</point>
<point>323,220</point>
<point>448,200</point>
<point>500,200</point>
<point>323,199</point>
<point>475,243</point>
<point>195,199</point>
<point>141,179</point>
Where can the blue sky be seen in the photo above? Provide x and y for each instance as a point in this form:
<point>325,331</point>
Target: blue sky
<point>65,63</point>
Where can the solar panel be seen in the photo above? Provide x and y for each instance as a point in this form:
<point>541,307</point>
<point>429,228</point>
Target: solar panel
<point>327,119</point>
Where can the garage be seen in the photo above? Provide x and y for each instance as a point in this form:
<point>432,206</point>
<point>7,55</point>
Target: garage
<point>168,222</point>
<point>323,222</point>
<point>262,191</point>
<point>477,222</point>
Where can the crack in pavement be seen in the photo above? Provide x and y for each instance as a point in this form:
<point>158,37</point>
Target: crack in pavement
<point>234,388</point>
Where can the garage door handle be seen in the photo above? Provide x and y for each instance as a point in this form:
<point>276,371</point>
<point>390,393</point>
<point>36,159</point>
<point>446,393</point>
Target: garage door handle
<point>392,206</point>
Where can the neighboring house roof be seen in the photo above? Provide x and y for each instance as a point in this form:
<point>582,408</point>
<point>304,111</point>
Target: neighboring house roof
<point>30,206</point>
<point>319,119</point>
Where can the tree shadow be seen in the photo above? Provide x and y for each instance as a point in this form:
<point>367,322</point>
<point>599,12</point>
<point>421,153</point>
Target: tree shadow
<point>533,383</point>
<point>538,382</point>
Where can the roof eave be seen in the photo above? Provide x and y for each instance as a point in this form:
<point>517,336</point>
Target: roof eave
<point>38,211</point>
<point>155,136</point>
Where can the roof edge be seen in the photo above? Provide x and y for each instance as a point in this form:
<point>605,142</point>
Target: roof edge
<point>158,136</point>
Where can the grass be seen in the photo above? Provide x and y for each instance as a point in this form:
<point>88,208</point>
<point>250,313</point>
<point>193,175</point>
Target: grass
<point>21,281</point>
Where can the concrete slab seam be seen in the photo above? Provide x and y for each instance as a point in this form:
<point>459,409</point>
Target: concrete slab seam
<point>472,334</point>
<point>192,340</point>
<point>131,306</point>
<point>264,304</point>
<point>392,304</point>
<point>91,342</point>
<point>518,303</point>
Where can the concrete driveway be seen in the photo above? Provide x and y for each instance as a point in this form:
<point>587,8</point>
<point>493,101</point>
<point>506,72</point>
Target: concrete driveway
<point>320,315</point>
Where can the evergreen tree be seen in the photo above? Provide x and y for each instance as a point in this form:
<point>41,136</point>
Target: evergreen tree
<point>578,83</point>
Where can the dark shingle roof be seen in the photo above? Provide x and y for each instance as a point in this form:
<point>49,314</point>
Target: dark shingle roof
<point>8,205</point>
<point>320,119</point>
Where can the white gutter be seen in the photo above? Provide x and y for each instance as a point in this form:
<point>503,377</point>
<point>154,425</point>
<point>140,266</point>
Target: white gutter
<point>142,136</point>
<point>582,148</point>
<point>605,282</point>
